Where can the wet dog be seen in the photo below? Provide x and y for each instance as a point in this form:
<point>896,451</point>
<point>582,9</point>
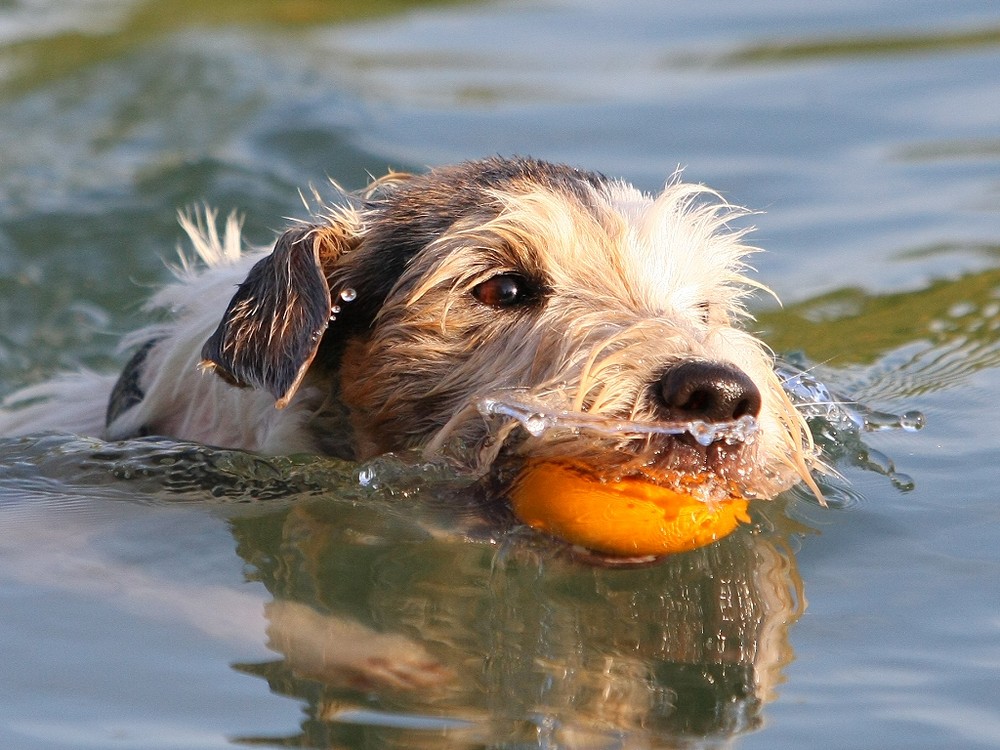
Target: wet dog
<point>380,324</point>
<point>388,321</point>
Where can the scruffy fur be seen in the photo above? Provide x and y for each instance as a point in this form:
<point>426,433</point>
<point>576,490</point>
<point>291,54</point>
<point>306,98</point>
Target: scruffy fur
<point>376,325</point>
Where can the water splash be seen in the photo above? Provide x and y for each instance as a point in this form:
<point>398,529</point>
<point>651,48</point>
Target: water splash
<point>838,425</point>
<point>537,420</point>
<point>815,401</point>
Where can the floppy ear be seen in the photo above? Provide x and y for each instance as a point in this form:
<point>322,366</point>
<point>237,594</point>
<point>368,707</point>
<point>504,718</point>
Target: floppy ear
<point>273,326</point>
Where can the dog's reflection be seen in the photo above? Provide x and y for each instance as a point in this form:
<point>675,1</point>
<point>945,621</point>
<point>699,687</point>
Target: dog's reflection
<point>449,643</point>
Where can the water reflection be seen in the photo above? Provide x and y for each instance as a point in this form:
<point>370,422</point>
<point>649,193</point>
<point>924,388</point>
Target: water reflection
<point>854,46</point>
<point>93,34</point>
<point>429,641</point>
<point>897,345</point>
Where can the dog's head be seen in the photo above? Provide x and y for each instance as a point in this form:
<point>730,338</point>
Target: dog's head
<point>564,291</point>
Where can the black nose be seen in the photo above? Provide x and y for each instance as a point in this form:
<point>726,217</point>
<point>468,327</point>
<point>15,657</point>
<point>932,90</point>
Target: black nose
<point>709,391</point>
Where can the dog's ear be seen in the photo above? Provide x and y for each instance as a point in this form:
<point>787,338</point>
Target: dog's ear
<point>272,328</point>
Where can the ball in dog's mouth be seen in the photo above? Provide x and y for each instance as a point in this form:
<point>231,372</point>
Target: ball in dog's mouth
<point>675,487</point>
<point>634,516</point>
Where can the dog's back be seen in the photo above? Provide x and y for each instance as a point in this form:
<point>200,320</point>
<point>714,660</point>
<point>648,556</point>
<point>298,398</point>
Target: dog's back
<point>75,403</point>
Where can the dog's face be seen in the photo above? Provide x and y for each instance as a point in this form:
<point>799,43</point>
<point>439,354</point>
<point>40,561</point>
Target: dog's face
<point>578,293</point>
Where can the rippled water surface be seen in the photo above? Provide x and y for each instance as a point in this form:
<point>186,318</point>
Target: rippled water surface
<point>157,594</point>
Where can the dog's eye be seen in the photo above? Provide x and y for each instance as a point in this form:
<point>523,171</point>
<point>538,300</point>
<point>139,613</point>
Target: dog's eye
<point>504,290</point>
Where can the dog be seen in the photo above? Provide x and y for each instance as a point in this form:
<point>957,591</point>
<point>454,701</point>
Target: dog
<point>380,324</point>
<point>396,320</point>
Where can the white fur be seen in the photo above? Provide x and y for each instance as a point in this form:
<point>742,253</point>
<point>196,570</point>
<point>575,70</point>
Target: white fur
<point>73,404</point>
<point>181,399</point>
<point>184,400</point>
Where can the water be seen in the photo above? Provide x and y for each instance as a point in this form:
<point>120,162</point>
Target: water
<point>537,419</point>
<point>138,582</point>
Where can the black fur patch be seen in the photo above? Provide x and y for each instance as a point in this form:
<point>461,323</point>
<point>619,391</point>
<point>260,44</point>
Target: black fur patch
<point>127,391</point>
<point>272,328</point>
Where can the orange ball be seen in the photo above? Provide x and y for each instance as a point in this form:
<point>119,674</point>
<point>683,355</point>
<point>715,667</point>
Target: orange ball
<point>630,517</point>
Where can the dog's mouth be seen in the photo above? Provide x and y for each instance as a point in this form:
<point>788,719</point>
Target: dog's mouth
<point>616,447</point>
<point>620,488</point>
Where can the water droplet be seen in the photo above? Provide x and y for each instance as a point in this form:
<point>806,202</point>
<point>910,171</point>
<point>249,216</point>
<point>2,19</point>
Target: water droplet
<point>366,477</point>
<point>536,424</point>
<point>335,309</point>
<point>348,295</point>
<point>902,482</point>
<point>702,432</point>
<point>912,421</point>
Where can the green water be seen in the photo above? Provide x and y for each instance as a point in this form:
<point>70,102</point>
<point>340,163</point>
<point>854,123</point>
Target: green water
<point>134,580</point>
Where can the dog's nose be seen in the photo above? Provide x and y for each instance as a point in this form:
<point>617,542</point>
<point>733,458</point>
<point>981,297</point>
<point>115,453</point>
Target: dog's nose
<point>709,391</point>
